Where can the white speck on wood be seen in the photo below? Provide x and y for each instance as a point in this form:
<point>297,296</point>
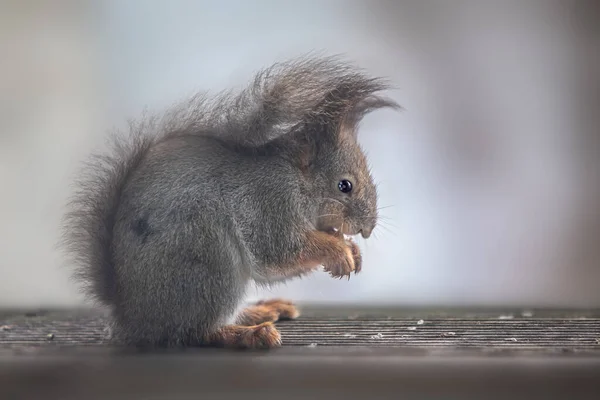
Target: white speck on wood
<point>527,314</point>
<point>506,316</point>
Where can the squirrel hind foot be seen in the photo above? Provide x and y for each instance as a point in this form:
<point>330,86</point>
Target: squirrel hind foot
<point>268,311</point>
<point>262,336</point>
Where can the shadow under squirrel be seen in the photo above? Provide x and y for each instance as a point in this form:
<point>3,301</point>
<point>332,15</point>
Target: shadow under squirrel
<point>169,227</point>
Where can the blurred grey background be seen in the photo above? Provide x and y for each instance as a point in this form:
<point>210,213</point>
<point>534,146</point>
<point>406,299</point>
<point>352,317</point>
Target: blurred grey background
<point>489,178</point>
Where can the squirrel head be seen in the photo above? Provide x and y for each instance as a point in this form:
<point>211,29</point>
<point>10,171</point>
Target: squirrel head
<point>308,112</point>
<point>344,190</point>
<point>338,183</point>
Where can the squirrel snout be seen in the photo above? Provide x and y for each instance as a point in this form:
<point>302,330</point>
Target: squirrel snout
<point>366,232</point>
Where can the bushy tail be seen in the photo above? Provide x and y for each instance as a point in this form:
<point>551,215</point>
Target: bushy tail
<point>322,90</point>
<point>306,89</point>
<point>89,221</point>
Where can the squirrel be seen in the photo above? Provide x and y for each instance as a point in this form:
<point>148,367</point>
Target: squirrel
<point>168,228</point>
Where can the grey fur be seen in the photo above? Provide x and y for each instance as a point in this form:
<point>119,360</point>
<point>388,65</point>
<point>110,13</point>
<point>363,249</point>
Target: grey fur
<point>168,228</point>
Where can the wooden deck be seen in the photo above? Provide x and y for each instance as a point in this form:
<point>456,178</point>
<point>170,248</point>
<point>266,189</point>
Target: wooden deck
<point>335,352</point>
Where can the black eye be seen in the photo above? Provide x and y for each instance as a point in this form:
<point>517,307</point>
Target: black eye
<point>345,186</point>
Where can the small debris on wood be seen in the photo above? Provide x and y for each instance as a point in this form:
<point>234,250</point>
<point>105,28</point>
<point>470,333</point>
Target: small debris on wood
<point>420,322</point>
<point>527,313</point>
<point>508,316</point>
<point>477,333</point>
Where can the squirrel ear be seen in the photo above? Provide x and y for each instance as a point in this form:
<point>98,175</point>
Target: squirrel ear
<point>350,121</point>
<point>342,109</point>
<point>306,147</point>
<point>305,157</point>
<point>303,145</point>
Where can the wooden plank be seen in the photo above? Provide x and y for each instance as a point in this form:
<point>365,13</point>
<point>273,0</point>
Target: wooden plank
<point>536,331</point>
<point>330,353</point>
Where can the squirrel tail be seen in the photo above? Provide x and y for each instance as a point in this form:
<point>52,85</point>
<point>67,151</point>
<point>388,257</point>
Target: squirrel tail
<point>88,223</point>
<point>305,90</point>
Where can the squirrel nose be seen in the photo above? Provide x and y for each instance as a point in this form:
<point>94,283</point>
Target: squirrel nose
<point>365,233</point>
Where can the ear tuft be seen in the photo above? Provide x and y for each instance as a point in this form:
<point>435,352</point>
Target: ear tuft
<point>347,103</point>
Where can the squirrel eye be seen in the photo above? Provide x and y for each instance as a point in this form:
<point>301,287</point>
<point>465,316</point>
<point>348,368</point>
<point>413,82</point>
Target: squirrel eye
<point>345,186</point>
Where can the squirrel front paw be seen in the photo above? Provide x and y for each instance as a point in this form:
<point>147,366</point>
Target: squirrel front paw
<point>343,265</point>
<point>355,255</point>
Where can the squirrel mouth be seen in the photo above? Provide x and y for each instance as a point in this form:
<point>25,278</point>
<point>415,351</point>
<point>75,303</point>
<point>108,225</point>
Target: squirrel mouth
<point>337,232</point>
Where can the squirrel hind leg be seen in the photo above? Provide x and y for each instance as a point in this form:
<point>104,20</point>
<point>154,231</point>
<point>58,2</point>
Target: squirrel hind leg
<point>261,336</point>
<point>268,311</point>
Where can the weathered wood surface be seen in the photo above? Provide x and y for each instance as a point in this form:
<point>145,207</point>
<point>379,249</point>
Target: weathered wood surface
<point>328,353</point>
<point>545,331</point>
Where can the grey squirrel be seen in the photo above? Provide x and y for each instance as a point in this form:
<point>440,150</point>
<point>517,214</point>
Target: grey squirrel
<point>169,227</point>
